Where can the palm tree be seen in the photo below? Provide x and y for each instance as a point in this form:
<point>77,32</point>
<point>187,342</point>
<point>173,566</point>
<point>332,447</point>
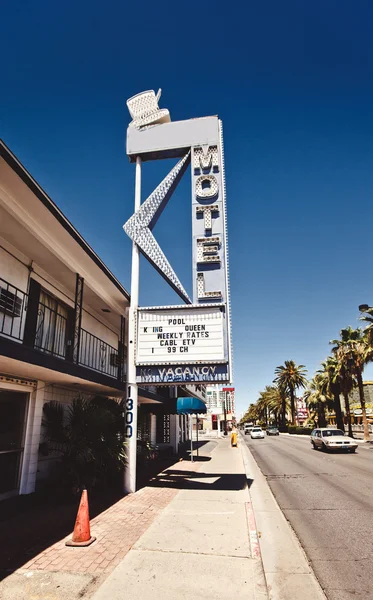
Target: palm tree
<point>347,385</point>
<point>251,414</point>
<point>290,377</point>
<point>330,369</point>
<point>353,351</point>
<point>277,403</point>
<point>316,396</point>
<point>367,316</point>
<point>87,436</point>
<point>262,405</point>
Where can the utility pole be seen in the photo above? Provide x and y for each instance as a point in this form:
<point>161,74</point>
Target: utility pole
<point>132,388</point>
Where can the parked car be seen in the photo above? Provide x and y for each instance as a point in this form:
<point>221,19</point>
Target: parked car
<point>248,429</point>
<point>272,430</point>
<point>257,433</point>
<point>332,439</point>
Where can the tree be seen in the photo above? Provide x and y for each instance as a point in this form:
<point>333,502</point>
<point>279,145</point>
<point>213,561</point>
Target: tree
<point>317,398</point>
<point>277,403</point>
<point>330,369</point>
<point>353,351</point>
<point>289,378</point>
<point>367,316</point>
<point>87,438</point>
<point>263,407</point>
<point>251,415</point>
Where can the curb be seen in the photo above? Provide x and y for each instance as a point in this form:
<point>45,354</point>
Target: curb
<point>253,533</point>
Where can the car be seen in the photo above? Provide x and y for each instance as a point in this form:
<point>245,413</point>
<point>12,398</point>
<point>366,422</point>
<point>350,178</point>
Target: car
<point>272,430</point>
<point>257,433</point>
<point>326,438</point>
<point>248,429</point>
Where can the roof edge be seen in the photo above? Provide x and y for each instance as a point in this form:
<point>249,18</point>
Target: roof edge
<point>32,184</point>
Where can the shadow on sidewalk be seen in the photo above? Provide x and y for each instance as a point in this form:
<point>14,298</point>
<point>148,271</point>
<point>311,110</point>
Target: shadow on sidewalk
<point>190,480</point>
<point>30,524</point>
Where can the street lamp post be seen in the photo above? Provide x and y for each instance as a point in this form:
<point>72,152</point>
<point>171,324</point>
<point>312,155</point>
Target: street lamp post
<point>363,307</point>
<point>225,414</point>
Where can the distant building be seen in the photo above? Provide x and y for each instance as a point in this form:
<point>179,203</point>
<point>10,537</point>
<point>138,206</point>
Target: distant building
<point>213,399</point>
<point>355,405</point>
<point>302,411</point>
<point>229,399</point>
<point>216,396</point>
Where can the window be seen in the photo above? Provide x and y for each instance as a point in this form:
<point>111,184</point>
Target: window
<point>51,329</point>
<point>163,429</point>
<point>332,432</point>
<point>10,303</point>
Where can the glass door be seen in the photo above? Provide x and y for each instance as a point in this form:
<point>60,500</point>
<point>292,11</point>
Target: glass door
<point>12,427</point>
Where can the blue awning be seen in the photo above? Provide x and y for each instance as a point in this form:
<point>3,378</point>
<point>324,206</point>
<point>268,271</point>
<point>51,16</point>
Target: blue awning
<point>190,406</point>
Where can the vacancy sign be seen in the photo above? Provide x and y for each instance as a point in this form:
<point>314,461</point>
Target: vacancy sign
<point>191,335</point>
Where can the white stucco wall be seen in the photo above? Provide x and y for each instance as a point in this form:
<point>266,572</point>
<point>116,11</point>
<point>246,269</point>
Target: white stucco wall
<point>12,270</point>
<point>92,325</point>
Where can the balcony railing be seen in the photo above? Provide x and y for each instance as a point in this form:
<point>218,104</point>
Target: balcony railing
<point>98,355</point>
<point>13,303</point>
<point>52,333</point>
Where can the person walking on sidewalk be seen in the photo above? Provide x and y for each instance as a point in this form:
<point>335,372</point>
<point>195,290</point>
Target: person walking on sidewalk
<point>234,436</point>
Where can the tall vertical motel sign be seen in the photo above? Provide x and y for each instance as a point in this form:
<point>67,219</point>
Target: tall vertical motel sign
<point>188,343</point>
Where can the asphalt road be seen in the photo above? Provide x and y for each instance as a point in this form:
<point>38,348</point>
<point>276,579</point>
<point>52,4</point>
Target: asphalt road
<point>328,499</point>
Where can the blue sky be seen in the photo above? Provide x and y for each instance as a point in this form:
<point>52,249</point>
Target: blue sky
<point>293,83</point>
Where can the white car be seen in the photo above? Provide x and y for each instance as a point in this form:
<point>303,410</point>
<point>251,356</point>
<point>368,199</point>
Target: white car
<point>257,433</point>
<point>332,439</point>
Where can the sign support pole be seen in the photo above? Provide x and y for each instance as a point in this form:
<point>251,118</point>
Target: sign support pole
<point>191,436</point>
<point>197,433</point>
<point>132,388</point>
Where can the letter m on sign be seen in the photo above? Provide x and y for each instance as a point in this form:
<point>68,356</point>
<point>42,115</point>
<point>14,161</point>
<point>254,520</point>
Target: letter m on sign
<point>205,158</point>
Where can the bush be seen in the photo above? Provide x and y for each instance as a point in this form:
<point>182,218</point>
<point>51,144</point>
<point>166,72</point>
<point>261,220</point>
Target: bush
<point>88,440</point>
<point>295,430</point>
<point>283,428</point>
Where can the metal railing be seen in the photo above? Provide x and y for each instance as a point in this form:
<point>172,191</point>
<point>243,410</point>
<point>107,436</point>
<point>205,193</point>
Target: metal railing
<point>13,304</point>
<point>98,355</point>
<point>52,333</point>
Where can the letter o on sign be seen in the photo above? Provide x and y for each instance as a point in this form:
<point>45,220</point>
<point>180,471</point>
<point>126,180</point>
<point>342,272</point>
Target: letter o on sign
<point>207,186</point>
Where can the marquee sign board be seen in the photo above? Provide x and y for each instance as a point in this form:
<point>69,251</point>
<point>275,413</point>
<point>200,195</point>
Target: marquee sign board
<point>165,353</point>
<point>188,336</point>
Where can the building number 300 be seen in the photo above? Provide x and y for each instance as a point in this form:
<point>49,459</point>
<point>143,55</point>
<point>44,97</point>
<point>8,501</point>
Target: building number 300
<point>129,418</point>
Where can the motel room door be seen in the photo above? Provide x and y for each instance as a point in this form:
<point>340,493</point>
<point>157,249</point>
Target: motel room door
<point>12,432</point>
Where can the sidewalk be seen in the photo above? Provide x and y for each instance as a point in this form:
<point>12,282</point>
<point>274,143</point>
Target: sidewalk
<point>199,546</point>
<point>189,534</point>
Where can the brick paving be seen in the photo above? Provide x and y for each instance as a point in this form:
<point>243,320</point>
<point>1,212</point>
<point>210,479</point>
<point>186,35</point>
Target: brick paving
<point>117,529</point>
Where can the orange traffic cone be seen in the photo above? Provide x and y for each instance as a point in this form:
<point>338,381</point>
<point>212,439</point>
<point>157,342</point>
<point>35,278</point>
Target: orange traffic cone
<point>82,530</point>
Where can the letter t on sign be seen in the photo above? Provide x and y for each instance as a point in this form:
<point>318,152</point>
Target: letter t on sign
<point>208,212</point>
